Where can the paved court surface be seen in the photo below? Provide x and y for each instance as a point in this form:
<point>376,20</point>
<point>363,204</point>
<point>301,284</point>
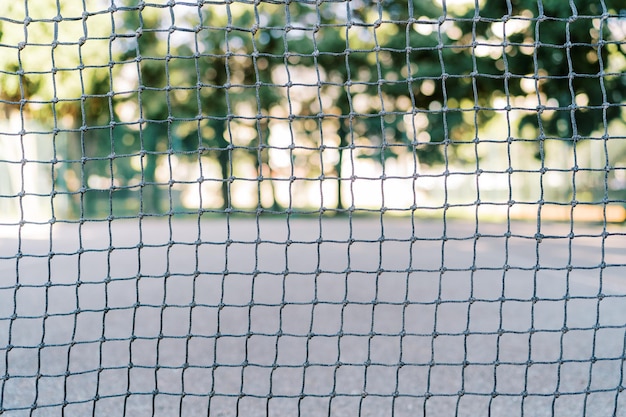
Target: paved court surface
<point>310,318</point>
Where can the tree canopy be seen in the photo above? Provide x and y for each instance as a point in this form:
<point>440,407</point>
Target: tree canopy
<point>132,85</point>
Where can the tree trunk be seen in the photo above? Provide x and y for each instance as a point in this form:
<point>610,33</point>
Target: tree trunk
<point>151,195</point>
<point>224,156</point>
<point>264,159</point>
<point>343,143</point>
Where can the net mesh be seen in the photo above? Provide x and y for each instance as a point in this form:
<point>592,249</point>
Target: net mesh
<point>312,208</point>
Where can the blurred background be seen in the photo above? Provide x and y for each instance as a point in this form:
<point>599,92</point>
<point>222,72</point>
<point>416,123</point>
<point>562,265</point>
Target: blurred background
<point>119,107</point>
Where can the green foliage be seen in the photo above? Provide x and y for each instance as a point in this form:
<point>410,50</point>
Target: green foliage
<point>564,50</point>
<point>403,77</point>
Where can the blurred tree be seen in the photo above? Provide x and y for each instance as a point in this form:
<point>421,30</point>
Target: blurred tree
<point>558,67</point>
<point>389,77</point>
<point>54,79</point>
<point>201,75</point>
<point>370,49</point>
<point>449,70</point>
<point>563,54</point>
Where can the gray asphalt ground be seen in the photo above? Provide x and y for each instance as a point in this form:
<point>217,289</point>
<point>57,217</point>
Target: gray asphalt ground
<point>302,323</point>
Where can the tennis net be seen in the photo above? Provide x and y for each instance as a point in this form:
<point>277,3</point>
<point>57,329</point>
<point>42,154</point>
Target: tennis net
<point>315,207</point>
